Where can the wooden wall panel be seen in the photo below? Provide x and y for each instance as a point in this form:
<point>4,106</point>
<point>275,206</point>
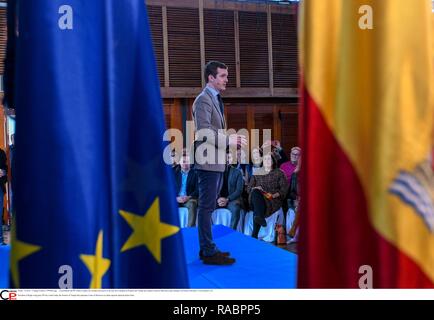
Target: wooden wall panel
<point>289,124</point>
<point>263,116</point>
<point>3,37</point>
<point>220,40</point>
<point>285,50</point>
<point>167,107</point>
<point>236,115</point>
<point>184,47</point>
<point>261,53</point>
<point>156,25</point>
<point>253,114</point>
<point>253,49</point>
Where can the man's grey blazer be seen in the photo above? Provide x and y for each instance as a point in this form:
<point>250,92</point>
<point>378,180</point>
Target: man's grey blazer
<point>211,140</point>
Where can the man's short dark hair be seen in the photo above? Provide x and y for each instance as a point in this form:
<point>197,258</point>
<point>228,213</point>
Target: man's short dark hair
<point>211,68</point>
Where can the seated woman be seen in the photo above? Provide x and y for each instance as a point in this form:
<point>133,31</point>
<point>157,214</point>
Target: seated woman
<point>248,170</point>
<point>267,190</point>
<point>254,165</point>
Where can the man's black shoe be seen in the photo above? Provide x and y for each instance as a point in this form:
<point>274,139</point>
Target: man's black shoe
<point>218,259</point>
<point>226,254</point>
<point>260,221</point>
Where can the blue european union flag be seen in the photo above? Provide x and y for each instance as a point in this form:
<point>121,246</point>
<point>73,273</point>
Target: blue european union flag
<point>94,199</point>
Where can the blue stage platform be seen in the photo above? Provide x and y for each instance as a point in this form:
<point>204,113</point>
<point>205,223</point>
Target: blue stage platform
<point>259,264</point>
<point>4,266</point>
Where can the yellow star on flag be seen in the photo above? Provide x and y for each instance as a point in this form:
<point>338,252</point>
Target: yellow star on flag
<point>148,230</point>
<point>96,264</point>
<point>20,250</point>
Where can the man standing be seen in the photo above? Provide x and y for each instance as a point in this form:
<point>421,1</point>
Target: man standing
<point>210,156</point>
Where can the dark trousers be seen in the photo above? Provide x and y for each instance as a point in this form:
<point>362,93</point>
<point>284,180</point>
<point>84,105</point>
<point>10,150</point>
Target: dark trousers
<point>285,208</point>
<point>210,183</point>
<point>259,207</point>
<point>235,208</point>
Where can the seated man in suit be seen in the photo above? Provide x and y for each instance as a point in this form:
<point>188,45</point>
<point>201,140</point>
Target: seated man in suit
<point>230,194</point>
<point>186,188</point>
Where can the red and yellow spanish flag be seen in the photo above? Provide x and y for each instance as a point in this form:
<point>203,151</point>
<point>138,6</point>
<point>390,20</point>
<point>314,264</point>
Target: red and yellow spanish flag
<point>367,128</point>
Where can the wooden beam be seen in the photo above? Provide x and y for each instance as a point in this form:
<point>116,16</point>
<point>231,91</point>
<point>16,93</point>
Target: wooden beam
<point>270,49</point>
<point>202,40</point>
<point>165,48</point>
<point>237,49</point>
<point>187,92</point>
<point>173,3</point>
<point>277,127</point>
<point>250,117</point>
<point>189,109</point>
